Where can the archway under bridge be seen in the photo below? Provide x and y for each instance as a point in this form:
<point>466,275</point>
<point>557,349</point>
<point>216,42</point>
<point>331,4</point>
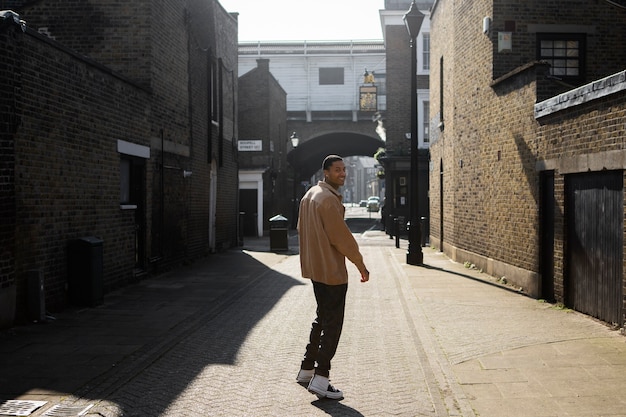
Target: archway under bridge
<point>308,156</point>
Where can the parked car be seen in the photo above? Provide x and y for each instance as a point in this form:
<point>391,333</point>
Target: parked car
<point>363,203</point>
<point>373,204</point>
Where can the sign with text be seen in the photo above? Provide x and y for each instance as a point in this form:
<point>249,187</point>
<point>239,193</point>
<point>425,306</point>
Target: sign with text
<point>249,145</point>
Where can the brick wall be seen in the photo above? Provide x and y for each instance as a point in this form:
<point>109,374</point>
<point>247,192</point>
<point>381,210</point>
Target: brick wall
<point>492,145</point>
<point>9,35</point>
<point>263,116</point>
<point>442,156</point>
<point>592,128</point>
<point>224,148</point>
<point>398,67</point>
<point>486,148</point>
<point>603,23</point>
<point>71,115</point>
<point>72,111</point>
<point>103,31</point>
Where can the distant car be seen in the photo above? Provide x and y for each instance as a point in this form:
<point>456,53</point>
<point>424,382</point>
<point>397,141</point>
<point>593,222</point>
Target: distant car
<point>373,204</point>
<point>363,203</point>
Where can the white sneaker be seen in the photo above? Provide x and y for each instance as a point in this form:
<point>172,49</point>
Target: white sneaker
<point>321,387</point>
<point>305,375</point>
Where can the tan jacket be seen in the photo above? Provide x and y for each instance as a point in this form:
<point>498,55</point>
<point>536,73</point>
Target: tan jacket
<point>325,239</point>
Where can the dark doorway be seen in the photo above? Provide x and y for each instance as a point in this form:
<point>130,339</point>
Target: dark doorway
<point>441,205</point>
<point>546,228</point>
<point>594,215</point>
<point>133,195</point>
<point>248,206</point>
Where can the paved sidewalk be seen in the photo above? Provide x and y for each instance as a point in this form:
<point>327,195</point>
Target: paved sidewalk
<point>224,337</point>
<point>511,355</point>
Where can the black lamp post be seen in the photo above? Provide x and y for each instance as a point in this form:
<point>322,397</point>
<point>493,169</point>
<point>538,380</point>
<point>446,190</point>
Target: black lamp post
<point>295,141</point>
<point>413,20</point>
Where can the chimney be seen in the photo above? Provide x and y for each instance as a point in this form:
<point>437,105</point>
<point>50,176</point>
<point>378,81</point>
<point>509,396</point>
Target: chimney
<point>263,63</point>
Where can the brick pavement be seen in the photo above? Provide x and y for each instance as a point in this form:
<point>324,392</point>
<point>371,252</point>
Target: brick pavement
<point>225,337</point>
<point>243,362</point>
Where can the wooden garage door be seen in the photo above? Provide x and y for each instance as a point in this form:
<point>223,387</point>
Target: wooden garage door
<point>593,284</point>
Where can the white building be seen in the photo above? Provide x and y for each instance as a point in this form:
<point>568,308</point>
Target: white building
<point>322,78</point>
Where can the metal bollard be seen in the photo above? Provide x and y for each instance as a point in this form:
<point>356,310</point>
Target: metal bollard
<point>396,230</point>
<point>423,223</point>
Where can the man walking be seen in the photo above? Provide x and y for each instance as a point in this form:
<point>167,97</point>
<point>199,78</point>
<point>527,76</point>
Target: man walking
<point>325,243</point>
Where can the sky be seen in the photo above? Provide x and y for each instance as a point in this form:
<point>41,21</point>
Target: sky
<point>300,20</point>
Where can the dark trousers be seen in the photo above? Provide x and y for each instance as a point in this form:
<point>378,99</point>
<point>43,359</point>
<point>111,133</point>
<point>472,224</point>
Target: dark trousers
<point>326,328</point>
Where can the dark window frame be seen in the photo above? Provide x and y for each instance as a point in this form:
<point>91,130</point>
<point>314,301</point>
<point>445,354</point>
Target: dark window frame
<point>562,51</point>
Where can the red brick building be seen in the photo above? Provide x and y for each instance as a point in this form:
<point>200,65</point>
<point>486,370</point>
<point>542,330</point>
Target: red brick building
<point>119,123</point>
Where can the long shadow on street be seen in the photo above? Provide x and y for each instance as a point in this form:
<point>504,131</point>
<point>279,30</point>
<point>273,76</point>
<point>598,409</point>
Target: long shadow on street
<point>90,353</point>
<point>98,353</point>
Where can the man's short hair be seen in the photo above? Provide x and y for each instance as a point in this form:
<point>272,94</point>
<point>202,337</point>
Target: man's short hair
<point>328,161</point>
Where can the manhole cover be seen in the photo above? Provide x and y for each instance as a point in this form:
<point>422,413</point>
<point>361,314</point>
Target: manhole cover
<point>67,411</point>
<point>19,407</point>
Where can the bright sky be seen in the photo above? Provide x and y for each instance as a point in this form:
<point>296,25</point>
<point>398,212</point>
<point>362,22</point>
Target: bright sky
<point>299,20</point>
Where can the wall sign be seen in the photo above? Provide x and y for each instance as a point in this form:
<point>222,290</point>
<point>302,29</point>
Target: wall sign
<point>368,98</point>
<point>249,145</point>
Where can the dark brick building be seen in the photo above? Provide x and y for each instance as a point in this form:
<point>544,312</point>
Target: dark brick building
<point>397,117</point>
<point>118,122</point>
<point>264,178</point>
<point>527,160</point>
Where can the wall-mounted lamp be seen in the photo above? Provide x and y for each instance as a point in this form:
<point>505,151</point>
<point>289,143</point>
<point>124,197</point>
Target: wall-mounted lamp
<point>186,174</point>
<point>295,140</point>
<point>486,25</point>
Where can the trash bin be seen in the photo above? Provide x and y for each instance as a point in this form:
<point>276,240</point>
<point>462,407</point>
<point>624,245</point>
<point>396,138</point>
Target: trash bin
<point>84,271</point>
<point>278,233</point>
<point>36,298</point>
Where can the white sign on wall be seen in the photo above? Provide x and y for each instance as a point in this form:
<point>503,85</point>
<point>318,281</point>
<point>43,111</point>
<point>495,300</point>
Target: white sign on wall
<point>249,145</point>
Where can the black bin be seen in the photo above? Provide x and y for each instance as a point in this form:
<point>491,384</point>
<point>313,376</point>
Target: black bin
<point>278,233</point>
<point>84,271</point>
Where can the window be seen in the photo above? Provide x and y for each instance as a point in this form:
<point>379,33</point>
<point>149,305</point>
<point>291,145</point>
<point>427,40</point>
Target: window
<point>131,180</point>
<point>381,83</point>
<point>426,51</point>
<point>426,113</point>
<point>331,76</point>
<point>125,181</point>
<point>132,168</point>
<point>441,120</point>
<point>565,53</point>
<point>214,88</point>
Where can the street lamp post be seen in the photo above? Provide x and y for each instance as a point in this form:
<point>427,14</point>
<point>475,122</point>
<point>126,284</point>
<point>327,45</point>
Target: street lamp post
<point>295,141</point>
<point>413,19</point>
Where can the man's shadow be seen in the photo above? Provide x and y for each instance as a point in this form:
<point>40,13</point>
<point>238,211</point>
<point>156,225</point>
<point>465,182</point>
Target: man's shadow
<point>335,408</point>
